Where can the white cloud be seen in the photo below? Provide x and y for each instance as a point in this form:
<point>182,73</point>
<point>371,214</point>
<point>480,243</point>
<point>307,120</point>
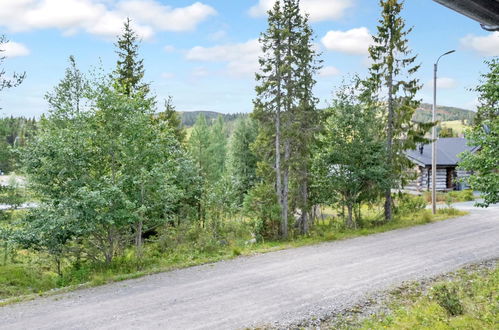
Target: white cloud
<point>241,58</point>
<point>166,18</point>
<point>443,83</point>
<point>100,17</point>
<point>319,10</point>
<point>329,71</point>
<point>487,45</point>
<point>13,49</point>
<point>353,42</point>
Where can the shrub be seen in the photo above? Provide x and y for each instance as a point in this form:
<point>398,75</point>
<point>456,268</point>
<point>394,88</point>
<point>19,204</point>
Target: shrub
<point>261,206</point>
<point>426,216</point>
<point>408,204</point>
<point>448,299</point>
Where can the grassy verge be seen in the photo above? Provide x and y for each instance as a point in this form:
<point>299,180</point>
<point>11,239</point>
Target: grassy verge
<point>470,300</point>
<point>465,299</point>
<point>30,274</point>
<point>451,196</point>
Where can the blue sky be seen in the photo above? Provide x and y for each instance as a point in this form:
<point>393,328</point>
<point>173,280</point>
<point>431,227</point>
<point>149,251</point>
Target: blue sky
<point>204,53</point>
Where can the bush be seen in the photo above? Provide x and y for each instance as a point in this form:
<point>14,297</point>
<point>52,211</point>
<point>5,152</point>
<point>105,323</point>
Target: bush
<point>261,206</point>
<point>407,204</point>
<point>448,299</point>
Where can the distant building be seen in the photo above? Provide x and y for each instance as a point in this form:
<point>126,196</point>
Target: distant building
<point>448,151</point>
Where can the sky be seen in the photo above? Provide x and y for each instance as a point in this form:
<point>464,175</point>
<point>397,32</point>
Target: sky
<point>204,53</point>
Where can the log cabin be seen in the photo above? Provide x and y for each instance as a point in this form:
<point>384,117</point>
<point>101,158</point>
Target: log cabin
<point>448,174</point>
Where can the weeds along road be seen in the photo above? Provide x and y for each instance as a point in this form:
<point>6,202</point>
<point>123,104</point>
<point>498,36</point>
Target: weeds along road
<point>274,288</point>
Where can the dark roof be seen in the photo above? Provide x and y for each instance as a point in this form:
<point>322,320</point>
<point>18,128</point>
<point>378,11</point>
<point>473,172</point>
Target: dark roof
<point>448,150</point>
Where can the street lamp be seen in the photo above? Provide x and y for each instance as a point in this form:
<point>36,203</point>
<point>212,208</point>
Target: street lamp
<point>434,138</point>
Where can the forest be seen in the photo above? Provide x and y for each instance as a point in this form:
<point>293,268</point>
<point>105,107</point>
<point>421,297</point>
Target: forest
<point>123,189</point>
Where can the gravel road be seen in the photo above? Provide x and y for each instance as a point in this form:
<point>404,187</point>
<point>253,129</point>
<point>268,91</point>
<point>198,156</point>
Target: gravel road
<point>275,288</point>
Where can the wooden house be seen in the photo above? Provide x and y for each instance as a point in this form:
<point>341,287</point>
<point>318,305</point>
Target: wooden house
<point>448,151</point>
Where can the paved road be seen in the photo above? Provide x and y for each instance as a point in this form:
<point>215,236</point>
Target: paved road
<point>282,287</point>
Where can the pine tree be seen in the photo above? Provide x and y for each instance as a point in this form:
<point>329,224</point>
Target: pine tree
<point>129,71</point>
<point>386,87</point>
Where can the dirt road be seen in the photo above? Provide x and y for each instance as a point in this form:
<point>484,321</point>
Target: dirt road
<point>278,287</point>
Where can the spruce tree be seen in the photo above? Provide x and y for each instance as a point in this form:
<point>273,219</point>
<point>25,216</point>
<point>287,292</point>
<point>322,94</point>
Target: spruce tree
<point>284,98</point>
<point>129,71</point>
<point>173,120</point>
<point>392,86</point>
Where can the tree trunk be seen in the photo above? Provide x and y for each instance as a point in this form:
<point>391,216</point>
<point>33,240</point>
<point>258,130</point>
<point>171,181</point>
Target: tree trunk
<point>140,225</point>
<point>285,191</point>
<point>389,145</point>
<point>304,221</point>
<point>350,221</point>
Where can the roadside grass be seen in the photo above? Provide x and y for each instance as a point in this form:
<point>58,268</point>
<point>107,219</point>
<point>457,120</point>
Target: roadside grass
<point>28,274</point>
<point>451,196</point>
<point>468,301</point>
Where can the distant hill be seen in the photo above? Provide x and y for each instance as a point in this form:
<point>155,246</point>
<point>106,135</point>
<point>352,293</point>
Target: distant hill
<point>423,114</point>
<point>189,117</point>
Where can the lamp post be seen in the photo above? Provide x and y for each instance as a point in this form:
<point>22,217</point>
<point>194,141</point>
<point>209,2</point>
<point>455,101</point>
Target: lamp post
<point>434,138</point>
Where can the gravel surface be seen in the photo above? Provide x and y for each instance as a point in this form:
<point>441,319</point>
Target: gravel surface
<point>279,288</point>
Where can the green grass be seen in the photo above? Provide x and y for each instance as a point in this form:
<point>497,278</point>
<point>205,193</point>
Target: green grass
<point>451,196</point>
<point>457,126</point>
<point>469,301</point>
<point>30,273</point>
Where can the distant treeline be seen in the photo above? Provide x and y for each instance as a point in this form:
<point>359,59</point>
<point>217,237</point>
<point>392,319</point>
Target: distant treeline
<point>14,132</point>
<point>423,114</point>
<point>189,117</point>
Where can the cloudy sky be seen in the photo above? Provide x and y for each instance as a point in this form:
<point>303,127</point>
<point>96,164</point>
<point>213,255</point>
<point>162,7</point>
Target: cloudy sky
<point>204,53</point>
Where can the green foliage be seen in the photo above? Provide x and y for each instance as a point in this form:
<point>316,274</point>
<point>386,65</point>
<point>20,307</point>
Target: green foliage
<point>350,157</point>
<point>424,114</point>
<point>14,133</point>
<point>392,86</point>
<point>189,117</point>
<point>285,107</point>
<point>467,299</point>
<point>100,172</point>
<point>173,120</point>
<point>446,296</point>
<point>485,135</point>
<point>241,160</point>
<point>260,205</point>
<point>406,203</point>
<point>129,70</point>
<point>446,132</point>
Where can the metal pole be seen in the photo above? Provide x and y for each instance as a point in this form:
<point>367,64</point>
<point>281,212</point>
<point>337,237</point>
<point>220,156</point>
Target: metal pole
<point>434,145</point>
<point>434,138</point>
